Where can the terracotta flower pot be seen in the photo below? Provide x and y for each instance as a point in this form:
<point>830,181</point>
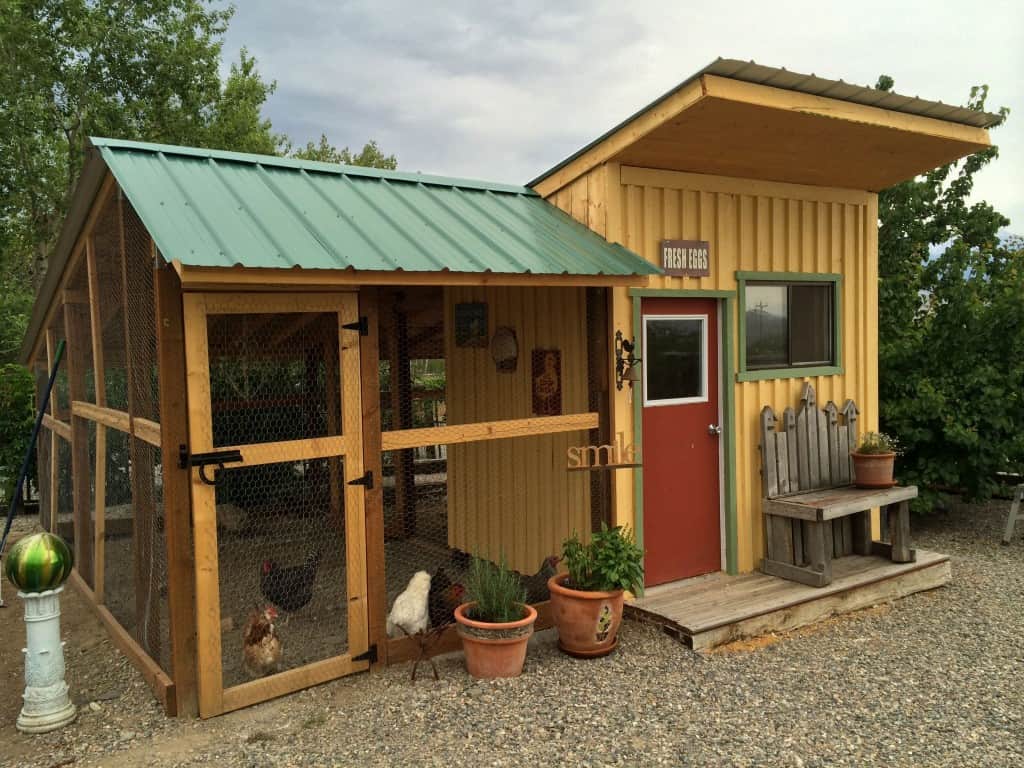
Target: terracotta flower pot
<point>494,650</point>
<point>588,622</point>
<point>873,470</point>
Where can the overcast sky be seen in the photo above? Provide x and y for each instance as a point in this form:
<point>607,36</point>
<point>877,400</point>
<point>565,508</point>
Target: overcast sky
<point>504,91</point>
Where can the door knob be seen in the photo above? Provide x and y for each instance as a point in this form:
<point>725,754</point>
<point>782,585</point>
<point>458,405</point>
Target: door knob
<point>714,429</point>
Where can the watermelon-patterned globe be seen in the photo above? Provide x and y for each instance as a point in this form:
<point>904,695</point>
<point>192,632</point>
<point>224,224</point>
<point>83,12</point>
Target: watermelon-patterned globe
<point>39,562</point>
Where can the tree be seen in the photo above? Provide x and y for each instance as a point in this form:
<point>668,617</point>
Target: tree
<point>370,156</point>
<point>951,329</point>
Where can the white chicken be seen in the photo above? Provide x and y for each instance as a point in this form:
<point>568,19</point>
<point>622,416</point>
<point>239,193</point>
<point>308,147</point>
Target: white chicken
<point>411,609</point>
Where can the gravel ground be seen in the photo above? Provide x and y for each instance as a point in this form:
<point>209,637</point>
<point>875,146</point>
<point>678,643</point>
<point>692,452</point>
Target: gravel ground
<point>935,680</point>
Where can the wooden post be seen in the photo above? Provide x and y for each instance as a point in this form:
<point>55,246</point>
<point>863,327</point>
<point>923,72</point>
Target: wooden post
<point>181,595</point>
<point>100,468</point>
<point>376,586</point>
<point>899,532</point>
<point>76,321</point>
<point>51,349</point>
<point>139,356</point>
<point>401,418</point>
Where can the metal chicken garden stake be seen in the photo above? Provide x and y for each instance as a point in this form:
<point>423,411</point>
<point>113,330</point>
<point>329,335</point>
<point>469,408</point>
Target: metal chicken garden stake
<point>38,565</point>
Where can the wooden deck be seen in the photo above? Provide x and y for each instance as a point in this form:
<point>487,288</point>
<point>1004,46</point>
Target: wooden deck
<point>716,609</point>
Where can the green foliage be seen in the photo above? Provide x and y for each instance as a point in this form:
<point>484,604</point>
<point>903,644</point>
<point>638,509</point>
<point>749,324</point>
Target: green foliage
<point>17,415</point>
<point>611,561</point>
<point>370,156</point>
<point>498,592</point>
<point>878,442</point>
<point>951,330</point>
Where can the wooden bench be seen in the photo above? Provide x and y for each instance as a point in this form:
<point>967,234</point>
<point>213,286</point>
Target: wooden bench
<point>812,511</point>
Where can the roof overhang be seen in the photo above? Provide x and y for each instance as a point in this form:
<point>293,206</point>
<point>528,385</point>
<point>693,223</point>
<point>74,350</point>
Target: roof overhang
<point>714,124</point>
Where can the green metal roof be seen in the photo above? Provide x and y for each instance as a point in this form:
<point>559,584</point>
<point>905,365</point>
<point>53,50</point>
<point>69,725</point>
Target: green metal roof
<point>220,209</point>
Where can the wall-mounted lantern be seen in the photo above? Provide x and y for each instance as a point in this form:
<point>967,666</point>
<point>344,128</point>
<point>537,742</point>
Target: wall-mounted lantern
<point>627,365</point>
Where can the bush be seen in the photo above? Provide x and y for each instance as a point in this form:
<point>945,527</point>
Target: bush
<point>611,561</point>
<point>17,415</point>
<point>498,592</point>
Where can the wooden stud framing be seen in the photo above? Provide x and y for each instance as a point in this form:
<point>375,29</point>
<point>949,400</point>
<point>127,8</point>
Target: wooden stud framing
<point>173,431</point>
<point>57,428</point>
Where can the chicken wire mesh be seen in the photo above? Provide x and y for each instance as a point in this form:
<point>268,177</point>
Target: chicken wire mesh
<point>281,536</point>
<point>463,356</point>
<point>44,464</point>
<point>64,491</point>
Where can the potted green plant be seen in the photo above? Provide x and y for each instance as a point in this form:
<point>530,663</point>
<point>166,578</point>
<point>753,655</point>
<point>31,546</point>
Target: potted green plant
<point>495,623</point>
<point>874,459</point>
<point>586,602</point>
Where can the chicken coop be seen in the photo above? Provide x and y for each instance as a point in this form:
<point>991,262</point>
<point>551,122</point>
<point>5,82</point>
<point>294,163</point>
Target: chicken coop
<point>296,384</point>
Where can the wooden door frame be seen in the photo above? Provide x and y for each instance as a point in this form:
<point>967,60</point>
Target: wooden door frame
<point>726,301</point>
<point>212,696</point>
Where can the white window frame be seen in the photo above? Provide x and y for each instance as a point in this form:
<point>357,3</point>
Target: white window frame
<point>703,398</point>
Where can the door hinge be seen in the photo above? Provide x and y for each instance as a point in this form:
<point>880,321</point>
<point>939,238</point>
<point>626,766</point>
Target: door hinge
<point>370,655</point>
<point>366,480</point>
<point>203,460</point>
<point>362,325</point>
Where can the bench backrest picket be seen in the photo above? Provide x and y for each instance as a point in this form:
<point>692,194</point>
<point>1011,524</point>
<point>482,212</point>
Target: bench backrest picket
<point>811,451</point>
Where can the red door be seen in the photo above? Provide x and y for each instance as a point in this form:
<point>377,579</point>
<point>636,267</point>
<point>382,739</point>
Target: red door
<point>681,514</point>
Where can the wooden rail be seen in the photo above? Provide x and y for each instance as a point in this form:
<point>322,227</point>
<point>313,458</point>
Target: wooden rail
<point>62,428</point>
<point>487,430</point>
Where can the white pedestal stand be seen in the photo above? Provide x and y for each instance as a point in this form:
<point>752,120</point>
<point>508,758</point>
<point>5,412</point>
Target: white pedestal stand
<point>47,704</point>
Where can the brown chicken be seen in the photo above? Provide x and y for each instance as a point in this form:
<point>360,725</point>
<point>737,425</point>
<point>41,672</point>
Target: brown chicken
<point>261,645</point>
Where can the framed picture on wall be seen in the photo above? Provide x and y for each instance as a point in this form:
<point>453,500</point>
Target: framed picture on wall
<point>547,382</point>
<point>471,325</point>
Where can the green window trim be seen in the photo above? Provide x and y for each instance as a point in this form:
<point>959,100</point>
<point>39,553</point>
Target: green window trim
<point>764,374</point>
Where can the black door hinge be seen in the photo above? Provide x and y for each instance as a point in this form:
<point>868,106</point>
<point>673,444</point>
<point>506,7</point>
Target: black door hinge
<point>365,480</point>
<point>203,460</point>
<point>362,325</point>
<point>370,655</point>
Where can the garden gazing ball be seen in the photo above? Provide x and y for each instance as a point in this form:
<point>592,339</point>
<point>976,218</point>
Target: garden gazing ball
<point>39,562</point>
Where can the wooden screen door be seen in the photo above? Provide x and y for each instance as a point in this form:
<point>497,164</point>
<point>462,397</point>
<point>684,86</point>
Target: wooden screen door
<point>276,457</point>
<point>681,436</point>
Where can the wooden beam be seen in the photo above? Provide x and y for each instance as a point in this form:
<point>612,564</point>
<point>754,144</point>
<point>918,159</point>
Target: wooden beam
<point>730,185</point>
<point>376,586</point>
<point>108,417</point>
<point>177,507</point>
<point>270,280</point>
<point>77,253</point>
<point>147,431</point>
<point>487,430</point>
<point>295,450</point>
<point>837,109</point>
<point>158,681</point>
<point>622,137</point>
<point>61,428</point>
<point>290,681</point>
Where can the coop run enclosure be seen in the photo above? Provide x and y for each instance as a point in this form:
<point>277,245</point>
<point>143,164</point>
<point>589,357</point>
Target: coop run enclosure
<point>225,438</point>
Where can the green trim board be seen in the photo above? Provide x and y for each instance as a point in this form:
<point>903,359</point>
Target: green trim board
<point>764,374</point>
<point>727,304</point>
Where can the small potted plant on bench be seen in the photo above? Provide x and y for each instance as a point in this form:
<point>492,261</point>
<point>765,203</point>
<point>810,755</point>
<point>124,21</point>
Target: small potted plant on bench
<point>874,459</point>
<point>495,623</point>
<point>586,602</point>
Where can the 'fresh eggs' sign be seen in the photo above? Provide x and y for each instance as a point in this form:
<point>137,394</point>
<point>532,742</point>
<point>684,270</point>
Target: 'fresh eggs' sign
<point>686,258</point>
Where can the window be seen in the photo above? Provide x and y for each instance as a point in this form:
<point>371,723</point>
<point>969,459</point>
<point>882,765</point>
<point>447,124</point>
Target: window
<point>789,325</point>
<point>675,367</point>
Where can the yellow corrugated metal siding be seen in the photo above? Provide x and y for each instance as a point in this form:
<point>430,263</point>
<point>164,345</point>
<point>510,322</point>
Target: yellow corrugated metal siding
<point>751,226</point>
<point>514,497</point>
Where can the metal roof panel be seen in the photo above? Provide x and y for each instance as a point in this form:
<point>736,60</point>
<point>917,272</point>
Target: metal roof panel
<point>221,209</point>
